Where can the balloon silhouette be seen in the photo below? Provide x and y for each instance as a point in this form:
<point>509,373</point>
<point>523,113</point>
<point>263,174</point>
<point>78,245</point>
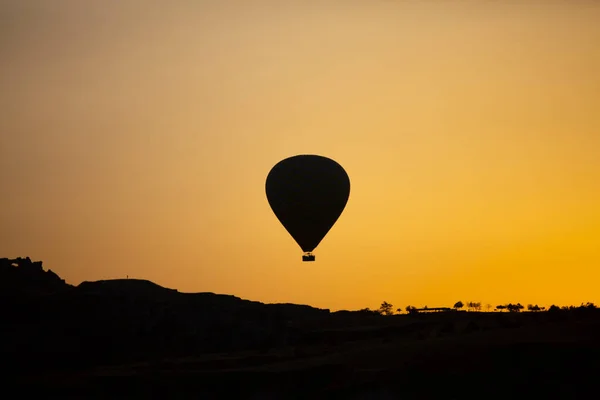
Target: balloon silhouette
<point>307,193</point>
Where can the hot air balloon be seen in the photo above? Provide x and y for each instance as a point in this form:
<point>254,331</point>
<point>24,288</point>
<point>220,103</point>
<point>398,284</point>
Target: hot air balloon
<point>307,194</point>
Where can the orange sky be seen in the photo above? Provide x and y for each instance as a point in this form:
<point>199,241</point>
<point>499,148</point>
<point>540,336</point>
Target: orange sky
<point>136,137</point>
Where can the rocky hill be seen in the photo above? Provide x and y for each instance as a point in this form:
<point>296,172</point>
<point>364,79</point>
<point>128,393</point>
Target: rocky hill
<point>21,276</point>
<point>114,321</point>
<point>70,340</point>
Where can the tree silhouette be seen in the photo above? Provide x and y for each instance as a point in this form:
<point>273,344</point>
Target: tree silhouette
<point>458,305</point>
<point>412,310</point>
<point>500,307</point>
<point>386,308</point>
<point>514,307</point>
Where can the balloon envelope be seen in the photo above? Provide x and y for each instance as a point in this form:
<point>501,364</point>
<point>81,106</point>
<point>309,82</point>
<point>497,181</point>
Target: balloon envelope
<point>307,193</point>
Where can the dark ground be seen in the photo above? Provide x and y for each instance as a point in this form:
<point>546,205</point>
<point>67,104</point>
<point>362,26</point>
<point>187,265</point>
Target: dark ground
<point>135,339</point>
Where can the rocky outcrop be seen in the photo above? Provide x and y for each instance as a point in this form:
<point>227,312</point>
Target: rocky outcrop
<point>19,276</point>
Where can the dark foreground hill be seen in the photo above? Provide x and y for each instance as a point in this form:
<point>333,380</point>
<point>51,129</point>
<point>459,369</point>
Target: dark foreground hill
<point>85,340</point>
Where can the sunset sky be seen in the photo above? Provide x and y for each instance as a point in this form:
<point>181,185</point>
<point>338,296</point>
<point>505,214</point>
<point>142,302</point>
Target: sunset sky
<point>136,137</point>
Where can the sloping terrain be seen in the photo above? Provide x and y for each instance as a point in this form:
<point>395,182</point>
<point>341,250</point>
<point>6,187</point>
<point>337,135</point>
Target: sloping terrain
<point>85,340</point>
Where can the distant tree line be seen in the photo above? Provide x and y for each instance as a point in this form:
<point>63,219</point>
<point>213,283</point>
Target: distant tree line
<point>388,309</point>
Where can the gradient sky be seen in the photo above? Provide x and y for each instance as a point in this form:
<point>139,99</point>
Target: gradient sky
<point>136,137</point>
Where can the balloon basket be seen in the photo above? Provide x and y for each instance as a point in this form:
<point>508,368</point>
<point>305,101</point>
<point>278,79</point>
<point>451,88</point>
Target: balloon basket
<point>308,257</point>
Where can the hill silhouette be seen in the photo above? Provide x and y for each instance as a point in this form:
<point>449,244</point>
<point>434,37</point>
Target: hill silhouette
<point>74,340</point>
